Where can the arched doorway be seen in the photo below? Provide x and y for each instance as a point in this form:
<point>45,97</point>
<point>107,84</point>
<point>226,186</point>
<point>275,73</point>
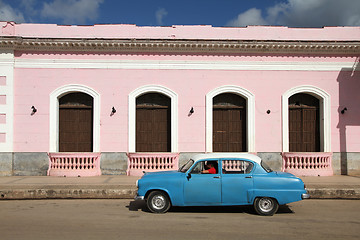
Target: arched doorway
<point>153,123</point>
<point>76,122</point>
<point>229,123</point>
<point>304,123</point>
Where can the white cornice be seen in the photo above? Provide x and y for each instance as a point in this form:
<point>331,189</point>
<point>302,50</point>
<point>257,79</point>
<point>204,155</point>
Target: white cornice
<point>187,46</point>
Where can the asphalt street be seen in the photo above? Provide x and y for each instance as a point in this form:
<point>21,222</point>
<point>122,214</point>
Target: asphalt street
<point>126,219</point>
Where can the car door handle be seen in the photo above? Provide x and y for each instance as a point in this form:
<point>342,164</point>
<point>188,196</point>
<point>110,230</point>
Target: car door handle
<point>248,177</point>
<point>217,177</point>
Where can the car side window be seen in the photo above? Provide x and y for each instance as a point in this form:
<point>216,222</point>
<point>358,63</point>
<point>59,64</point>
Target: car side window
<point>236,167</point>
<point>197,168</point>
<point>204,167</point>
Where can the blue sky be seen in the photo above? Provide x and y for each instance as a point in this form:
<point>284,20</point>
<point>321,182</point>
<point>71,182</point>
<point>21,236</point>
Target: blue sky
<point>235,13</point>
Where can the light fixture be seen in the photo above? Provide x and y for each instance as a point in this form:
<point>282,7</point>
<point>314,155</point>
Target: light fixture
<point>34,110</point>
<point>191,111</point>
<point>268,111</point>
<point>113,111</point>
<point>344,110</point>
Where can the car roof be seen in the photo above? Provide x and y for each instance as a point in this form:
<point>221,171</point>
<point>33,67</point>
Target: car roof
<point>248,156</point>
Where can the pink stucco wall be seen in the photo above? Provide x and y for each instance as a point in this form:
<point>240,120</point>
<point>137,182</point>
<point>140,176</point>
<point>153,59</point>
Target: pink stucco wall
<point>34,85</point>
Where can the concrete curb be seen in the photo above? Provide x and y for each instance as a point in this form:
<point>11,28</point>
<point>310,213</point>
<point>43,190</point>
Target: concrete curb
<point>66,193</point>
<point>332,193</point>
<point>129,193</point>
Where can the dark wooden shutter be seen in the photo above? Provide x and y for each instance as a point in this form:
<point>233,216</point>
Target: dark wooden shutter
<point>229,123</point>
<point>76,123</point>
<point>304,123</point>
<point>153,123</point>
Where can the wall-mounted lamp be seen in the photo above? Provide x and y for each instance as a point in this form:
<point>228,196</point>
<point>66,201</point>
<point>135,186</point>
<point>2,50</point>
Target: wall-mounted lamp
<point>191,111</point>
<point>344,110</point>
<point>113,111</point>
<point>34,110</point>
<point>268,111</point>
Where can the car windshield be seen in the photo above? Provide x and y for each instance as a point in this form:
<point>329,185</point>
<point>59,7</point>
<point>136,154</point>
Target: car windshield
<point>266,167</point>
<point>186,166</point>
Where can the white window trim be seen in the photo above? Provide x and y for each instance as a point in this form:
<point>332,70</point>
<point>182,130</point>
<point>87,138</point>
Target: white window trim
<point>132,114</point>
<point>250,101</point>
<point>325,115</point>
<point>54,114</point>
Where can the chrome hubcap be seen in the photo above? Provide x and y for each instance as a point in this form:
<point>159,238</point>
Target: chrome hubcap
<point>158,202</point>
<point>266,204</point>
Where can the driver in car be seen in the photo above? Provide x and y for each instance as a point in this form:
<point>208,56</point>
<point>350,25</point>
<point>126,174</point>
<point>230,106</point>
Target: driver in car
<point>209,168</point>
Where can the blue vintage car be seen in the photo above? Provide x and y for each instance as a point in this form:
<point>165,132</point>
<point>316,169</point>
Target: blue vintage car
<point>221,179</point>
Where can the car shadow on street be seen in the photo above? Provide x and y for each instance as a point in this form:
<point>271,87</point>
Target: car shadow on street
<point>141,205</point>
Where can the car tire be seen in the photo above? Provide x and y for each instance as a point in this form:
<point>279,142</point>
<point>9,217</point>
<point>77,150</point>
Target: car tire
<point>266,206</point>
<point>158,202</point>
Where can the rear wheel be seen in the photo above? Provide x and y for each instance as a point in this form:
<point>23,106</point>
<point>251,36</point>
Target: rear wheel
<point>158,202</point>
<point>266,206</point>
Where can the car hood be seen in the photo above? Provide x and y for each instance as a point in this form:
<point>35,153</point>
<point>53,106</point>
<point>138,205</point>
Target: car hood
<point>161,174</point>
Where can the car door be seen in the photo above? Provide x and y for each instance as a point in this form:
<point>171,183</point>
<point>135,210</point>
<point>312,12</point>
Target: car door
<point>237,181</point>
<point>202,189</point>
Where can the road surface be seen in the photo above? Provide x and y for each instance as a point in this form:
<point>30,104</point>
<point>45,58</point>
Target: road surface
<point>126,219</point>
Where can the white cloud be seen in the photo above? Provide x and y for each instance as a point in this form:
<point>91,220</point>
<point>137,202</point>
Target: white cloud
<point>72,11</point>
<point>304,13</point>
<point>7,13</point>
<point>250,17</point>
<point>160,14</point>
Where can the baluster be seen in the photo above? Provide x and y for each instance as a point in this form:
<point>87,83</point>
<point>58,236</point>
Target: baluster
<point>160,163</point>
<point>136,162</point>
<point>226,165</point>
<point>86,162</point>
<point>55,163</point>
<point>301,165</point>
<point>317,162</point>
<point>171,162</point>
<point>312,162</point>
<point>296,164</point>
<point>292,164</point>
<point>133,162</point>
<point>157,161</point>
<point>145,162</point>
<point>65,163</point>
<point>327,161</point>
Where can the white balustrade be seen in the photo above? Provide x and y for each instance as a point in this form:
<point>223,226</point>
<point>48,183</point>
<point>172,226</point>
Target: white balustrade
<point>151,162</point>
<point>74,164</point>
<point>307,164</point>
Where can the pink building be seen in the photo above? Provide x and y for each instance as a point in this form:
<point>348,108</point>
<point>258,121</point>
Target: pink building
<point>111,99</point>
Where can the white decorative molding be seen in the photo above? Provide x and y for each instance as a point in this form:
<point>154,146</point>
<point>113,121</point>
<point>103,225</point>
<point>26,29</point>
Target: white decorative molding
<point>325,115</point>
<point>7,70</point>
<point>132,114</point>
<point>250,101</point>
<point>185,65</point>
<point>176,45</point>
<point>54,114</point>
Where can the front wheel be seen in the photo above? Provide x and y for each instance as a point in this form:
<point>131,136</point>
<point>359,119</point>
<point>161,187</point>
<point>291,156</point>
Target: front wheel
<point>158,202</point>
<point>266,206</point>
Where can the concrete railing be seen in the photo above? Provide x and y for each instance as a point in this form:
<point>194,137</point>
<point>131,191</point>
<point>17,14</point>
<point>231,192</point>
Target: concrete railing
<point>151,162</point>
<point>307,164</point>
<point>74,164</point>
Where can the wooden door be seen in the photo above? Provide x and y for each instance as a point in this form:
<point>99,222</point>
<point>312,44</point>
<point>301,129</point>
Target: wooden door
<point>75,123</point>
<point>304,124</point>
<point>229,123</point>
<point>153,123</point>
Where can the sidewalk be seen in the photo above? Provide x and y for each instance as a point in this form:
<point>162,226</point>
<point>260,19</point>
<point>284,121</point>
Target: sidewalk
<point>121,186</point>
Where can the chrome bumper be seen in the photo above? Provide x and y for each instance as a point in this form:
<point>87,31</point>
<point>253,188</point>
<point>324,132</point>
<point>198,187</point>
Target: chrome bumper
<point>305,195</point>
<point>139,197</point>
